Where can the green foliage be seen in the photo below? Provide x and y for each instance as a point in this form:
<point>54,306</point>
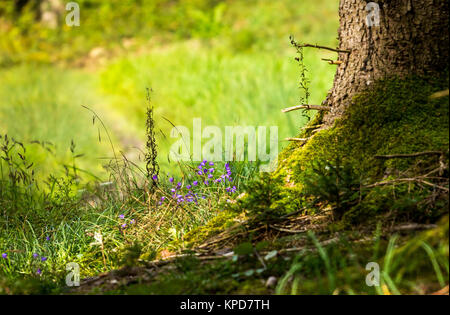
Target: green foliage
<point>240,25</point>
<point>405,265</point>
<point>266,199</point>
<point>333,183</point>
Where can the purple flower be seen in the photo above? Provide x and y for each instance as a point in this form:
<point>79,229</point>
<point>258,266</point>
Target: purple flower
<point>39,271</point>
<point>211,163</point>
<point>133,221</point>
<point>172,190</point>
<point>43,258</point>
<point>163,198</point>
<point>195,183</point>
<point>206,182</point>
<point>5,255</point>
<point>35,255</point>
<point>211,170</point>
<point>48,238</point>
<point>178,185</point>
<point>188,186</point>
<point>121,216</point>
<point>171,179</point>
<point>124,225</point>
<point>155,177</point>
<point>200,173</point>
<point>210,175</point>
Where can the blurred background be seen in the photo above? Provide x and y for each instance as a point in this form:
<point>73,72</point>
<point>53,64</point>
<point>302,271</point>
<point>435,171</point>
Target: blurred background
<point>228,62</point>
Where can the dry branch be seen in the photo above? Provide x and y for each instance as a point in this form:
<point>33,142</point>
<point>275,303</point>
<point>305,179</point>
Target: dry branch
<point>413,179</point>
<point>307,107</point>
<point>393,156</point>
<point>439,94</point>
<point>312,127</point>
<point>326,48</point>
<point>332,62</point>
<point>296,139</point>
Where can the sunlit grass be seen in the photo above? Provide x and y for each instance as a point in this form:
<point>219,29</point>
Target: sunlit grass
<point>223,89</point>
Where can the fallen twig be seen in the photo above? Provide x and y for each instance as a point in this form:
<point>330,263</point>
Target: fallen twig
<point>393,156</point>
<point>439,94</point>
<point>413,179</point>
<point>413,226</point>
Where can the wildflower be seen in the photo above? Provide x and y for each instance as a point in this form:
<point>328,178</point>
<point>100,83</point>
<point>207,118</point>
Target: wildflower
<point>188,186</point>
<point>171,179</point>
<point>121,216</point>
<point>206,182</point>
<point>155,177</point>
<point>124,225</point>
<point>173,190</point>
<point>39,271</point>
<point>195,183</point>
<point>211,170</point>
<point>178,185</point>
<point>133,221</point>
<point>211,163</point>
<point>5,255</point>
<point>43,258</point>
<point>48,238</point>
<point>203,163</point>
<point>163,198</point>
<point>200,173</point>
<point>35,255</point>
<point>210,176</point>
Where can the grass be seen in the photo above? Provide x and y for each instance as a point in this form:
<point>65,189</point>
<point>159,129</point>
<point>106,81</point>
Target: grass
<point>222,89</point>
<point>44,103</point>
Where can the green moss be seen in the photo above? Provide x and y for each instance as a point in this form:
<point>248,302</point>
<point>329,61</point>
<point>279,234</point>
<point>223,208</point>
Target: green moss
<point>393,116</point>
<point>221,222</point>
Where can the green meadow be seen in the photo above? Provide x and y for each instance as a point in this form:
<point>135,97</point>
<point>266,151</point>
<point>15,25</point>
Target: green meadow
<point>233,66</point>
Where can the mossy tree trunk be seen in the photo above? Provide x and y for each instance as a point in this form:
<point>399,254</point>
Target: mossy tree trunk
<point>401,38</point>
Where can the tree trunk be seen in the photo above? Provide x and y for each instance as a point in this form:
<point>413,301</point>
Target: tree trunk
<point>410,38</point>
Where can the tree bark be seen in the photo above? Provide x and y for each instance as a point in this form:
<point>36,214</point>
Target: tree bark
<point>411,38</point>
